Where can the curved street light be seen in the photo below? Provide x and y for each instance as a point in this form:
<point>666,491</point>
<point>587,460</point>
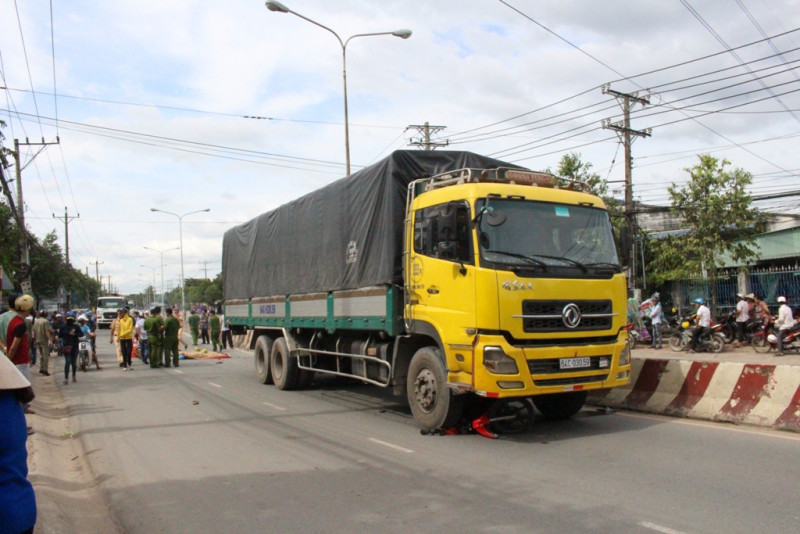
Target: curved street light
<point>162,252</point>
<point>277,7</point>
<point>180,232</point>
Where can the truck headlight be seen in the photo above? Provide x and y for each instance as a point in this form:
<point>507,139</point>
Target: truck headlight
<point>625,355</point>
<point>497,361</point>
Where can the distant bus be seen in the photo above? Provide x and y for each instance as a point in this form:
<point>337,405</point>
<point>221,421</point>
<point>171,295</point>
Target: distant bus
<point>107,309</point>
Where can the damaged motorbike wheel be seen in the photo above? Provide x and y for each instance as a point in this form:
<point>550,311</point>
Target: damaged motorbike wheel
<point>511,416</point>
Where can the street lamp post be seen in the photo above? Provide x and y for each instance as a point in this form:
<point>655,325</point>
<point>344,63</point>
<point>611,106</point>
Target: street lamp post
<point>180,232</point>
<point>153,286</point>
<point>272,5</point>
<point>162,252</point>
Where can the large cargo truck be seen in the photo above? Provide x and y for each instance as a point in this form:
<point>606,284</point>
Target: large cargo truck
<point>106,309</point>
<point>456,279</point>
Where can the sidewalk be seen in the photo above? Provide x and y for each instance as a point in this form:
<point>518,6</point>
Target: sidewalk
<point>739,386</point>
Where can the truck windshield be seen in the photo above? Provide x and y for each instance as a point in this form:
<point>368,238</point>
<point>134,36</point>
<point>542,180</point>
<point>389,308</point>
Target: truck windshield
<point>545,237</point>
<point>111,302</point>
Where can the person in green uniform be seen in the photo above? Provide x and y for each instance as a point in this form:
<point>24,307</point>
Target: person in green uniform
<point>194,326</point>
<point>154,325</point>
<point>215,325</point>
<point>171,327</point>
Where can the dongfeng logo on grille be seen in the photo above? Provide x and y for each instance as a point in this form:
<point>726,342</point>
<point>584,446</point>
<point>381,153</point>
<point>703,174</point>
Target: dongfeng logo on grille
<point>571,315</point>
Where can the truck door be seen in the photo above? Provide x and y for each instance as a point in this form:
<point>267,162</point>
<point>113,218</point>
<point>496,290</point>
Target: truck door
<point>442,277</point>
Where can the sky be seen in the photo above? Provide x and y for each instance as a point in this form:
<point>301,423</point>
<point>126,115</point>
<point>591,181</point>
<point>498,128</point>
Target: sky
<point>189,105</point>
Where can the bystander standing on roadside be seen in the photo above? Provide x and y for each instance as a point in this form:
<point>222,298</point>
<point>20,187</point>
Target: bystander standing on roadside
<point>171,329</point>
<point>113,330</point>
<point>761,309</point>
<point>92,322</point>
<point>29,332</point>
<point>141,337</point>
<point>227,336</point>
<point>204,327</point>
<point>154,325</point>
<point>194,326</point>
<point>655,320</point>
<point>5,318</point>
<point>125,336</point>
<point>176,312</point>
<point>784,323</point>
<point>43,340</point>
<point>17,340</point>
<point>742,317</point>
<point>214,326</point>
<point>17,497</point>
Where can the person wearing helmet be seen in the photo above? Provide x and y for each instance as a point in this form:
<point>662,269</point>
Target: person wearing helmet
<point>784,323</point>
<point>655,320</point>
<point>702,321</point>
<point>69,335</point>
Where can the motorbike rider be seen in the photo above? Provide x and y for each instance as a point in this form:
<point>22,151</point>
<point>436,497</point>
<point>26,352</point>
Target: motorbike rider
<point>784,323</point>
<point>86,329</point>
<point>702,321</point>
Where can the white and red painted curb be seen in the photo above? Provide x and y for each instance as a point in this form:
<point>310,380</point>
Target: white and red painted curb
<point>753,394</point>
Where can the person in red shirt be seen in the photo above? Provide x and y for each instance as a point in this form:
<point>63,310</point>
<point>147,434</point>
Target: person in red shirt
<point>17,339</point>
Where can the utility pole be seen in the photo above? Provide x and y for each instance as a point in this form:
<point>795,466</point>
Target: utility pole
<point>67,220</point>
<point>97,264</point>
<point>25,258</point>
<point>426,130</point>
<point>205,268</point>
<point>626,136</point>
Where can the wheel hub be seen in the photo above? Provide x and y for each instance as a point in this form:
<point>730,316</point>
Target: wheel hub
<point>425,390</point>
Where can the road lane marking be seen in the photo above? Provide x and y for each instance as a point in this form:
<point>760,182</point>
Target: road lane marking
<point>178,371</point>
<point>275,406</point>
<point>659,528</point>
<point>391,445</point>
<point>215,385</point>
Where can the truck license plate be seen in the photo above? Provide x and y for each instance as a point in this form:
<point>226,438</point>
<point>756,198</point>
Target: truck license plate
<point>574,363</point>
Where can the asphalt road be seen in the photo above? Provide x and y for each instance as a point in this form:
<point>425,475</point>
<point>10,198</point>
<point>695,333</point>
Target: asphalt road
<point>206,448</point>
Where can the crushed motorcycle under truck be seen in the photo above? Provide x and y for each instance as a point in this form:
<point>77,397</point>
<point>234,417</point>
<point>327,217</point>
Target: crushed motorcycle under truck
<point>455,279</point>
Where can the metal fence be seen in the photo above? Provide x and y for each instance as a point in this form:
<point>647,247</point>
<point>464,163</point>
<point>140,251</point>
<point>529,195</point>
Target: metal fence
<point>769,284</point>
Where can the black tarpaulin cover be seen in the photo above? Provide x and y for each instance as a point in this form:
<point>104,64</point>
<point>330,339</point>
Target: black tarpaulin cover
<point>346,235</point>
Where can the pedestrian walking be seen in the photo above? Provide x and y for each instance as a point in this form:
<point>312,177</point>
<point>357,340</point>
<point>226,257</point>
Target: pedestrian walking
<point>204,328</point>
<point>171,328</point>
<point>125,336</point>
<point>43,339</point>
<point>113,330</point>
<point>194,326</point>
<point>69,335</point>
<point>154,326</point>
<point>17,498</point>
<point>214,326</point>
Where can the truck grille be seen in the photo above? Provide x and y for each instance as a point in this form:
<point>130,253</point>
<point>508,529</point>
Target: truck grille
<point>548,315</point>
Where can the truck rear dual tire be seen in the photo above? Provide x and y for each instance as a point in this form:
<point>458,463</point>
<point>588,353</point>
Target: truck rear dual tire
<point>432,402</point>
<point>263,352</point>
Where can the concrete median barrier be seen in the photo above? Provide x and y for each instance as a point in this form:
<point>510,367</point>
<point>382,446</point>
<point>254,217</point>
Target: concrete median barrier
<point>741,393</point>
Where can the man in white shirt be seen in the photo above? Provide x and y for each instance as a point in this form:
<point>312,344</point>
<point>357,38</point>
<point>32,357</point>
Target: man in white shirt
<point>655,320</point>
<point>702,321</point>
<point>784,323</point>
<point>742,316</point>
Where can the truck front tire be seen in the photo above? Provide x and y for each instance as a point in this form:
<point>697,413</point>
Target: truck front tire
<point>432,403</point>
<point>263,352</point>
<point>284,368</point>
<point>558,406</point>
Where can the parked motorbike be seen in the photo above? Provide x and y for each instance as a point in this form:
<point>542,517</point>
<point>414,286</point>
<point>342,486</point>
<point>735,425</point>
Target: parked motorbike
<point>83,353</point>
<point>710,340</point>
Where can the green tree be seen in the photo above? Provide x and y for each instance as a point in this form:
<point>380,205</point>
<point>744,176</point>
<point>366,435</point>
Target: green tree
<point>720,222</point>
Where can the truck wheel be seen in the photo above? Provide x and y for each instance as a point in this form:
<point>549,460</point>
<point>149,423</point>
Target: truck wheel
<point>432,402</point>
<point>558,406</point>
<point>283,367</point>
<point>262,357</point>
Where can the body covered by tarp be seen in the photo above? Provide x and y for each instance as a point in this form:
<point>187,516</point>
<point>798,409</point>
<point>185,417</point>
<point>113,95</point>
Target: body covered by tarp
<point>346,235</point>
